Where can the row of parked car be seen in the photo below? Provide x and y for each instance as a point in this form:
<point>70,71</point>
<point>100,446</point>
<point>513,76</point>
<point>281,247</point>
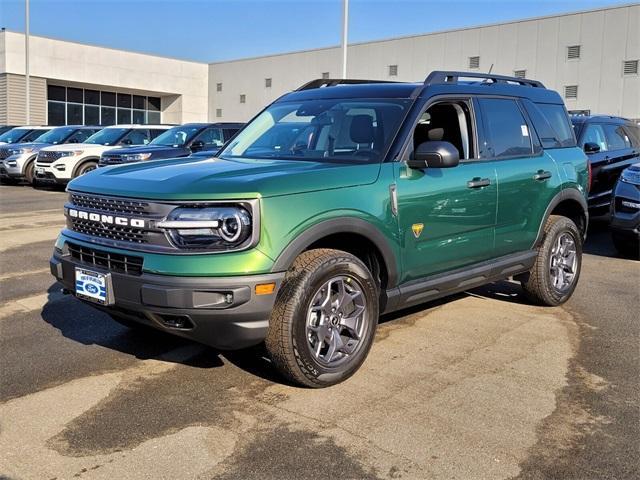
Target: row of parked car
<point>56,155</point>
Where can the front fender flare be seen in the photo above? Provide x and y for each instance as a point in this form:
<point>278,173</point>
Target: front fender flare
<point>340,225</point>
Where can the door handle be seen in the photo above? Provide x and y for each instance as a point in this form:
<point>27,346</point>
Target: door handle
<point>542,175</point>
<point>478,183</point>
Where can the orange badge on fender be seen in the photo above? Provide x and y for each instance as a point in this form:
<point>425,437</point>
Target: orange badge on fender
<point>417,228</point>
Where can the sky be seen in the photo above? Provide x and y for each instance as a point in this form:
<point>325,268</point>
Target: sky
<point>216,30</point>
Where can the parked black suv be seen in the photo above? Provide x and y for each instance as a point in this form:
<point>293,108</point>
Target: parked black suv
<point>179,141</point>
<point>625,212</point>
<point>612,144</point>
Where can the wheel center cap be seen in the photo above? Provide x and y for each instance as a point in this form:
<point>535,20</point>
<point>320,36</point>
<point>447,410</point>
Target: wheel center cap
<point>334,320</point>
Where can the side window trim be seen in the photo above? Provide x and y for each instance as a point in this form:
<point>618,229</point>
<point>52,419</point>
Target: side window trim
<point>407,148</point>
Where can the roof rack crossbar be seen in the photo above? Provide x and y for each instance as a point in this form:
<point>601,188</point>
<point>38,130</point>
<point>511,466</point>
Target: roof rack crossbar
<point>439,77</point>
<point>331,82</point>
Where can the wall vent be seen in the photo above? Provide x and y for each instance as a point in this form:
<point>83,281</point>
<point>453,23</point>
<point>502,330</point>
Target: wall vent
<point>630,67</point>
<point>520,73</point>
<point>571,91</point>
<point>393,70</point>
<point>474,62</point>
<point>573,52</point>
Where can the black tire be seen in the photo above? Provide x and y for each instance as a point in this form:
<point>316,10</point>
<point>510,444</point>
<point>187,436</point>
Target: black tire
<point>537,283</point>
<point>287,339</point>
<point>626,247</point>
<point>8,181</point>
<point>85,168</point>
<point>29,172</point>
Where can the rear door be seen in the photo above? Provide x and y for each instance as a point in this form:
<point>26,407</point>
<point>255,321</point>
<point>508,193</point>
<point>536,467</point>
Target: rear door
<point>528,177</point>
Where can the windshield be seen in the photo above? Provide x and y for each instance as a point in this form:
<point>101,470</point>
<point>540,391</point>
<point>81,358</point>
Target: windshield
<point>176,136</point>
<point>13,136</point>
<point>108,136</point>
<point>354,131</point>
<point>57,135</point>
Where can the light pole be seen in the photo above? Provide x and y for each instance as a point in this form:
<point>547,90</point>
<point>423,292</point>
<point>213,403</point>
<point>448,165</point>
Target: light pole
<point>345,34</point>
<point>26,61</point>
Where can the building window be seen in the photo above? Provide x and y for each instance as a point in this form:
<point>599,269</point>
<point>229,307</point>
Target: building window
<point>520,73</point>
<point>571,91</point>
<point>218,113</point>
<point>77,106</point>
<point>267,82</point>
<point>218,87</point>
<point>630,67</point>
<point>325,75</point>
<point>474,62</point>
<point>393,70</point>
<point>243,98</point>
<point>573,52</point>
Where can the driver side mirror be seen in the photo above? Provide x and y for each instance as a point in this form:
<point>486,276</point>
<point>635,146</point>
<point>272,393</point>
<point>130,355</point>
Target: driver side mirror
<point>591,147</point>
<point>127,141</point>
<point>197,145</point>
<point>434,154</point>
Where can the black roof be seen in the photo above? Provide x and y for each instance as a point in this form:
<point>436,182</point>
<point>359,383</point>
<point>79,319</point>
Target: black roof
<point>437,82</point>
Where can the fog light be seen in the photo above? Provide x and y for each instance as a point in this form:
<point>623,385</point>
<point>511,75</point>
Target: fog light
<point>60,168</point>
<point>265,288</point>
<point>12,163</point>
<point>228,298</point>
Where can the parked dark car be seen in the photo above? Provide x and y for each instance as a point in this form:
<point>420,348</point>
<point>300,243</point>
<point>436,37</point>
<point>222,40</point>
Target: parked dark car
<point>612,144</point>
<point>625,212</point>
<point>180,141</point>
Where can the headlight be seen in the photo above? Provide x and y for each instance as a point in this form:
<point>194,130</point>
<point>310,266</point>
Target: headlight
<point>215,228</point>
<point>71,153</point>
<point>135,157</point>
<point>631,175</point>
<point>20,151</point>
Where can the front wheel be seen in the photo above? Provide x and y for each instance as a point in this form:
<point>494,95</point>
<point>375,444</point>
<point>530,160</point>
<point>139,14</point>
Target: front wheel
<point>324,319</point>
<point>86,167</point>
<point>29,172</point>
<point>555,273</point>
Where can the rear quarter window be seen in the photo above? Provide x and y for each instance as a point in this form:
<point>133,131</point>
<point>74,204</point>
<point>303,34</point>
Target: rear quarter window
<point>553,121</point>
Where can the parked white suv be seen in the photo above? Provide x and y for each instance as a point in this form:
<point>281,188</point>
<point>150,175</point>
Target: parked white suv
<point>61,163</point>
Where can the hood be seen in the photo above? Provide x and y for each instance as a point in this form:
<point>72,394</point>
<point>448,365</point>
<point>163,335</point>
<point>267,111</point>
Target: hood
<point>218,179</point>
<point>81,146</point>
<point>35,146</point>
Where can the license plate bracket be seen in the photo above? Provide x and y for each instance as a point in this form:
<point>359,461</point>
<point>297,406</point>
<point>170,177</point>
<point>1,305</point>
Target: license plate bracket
<point>94,286</point>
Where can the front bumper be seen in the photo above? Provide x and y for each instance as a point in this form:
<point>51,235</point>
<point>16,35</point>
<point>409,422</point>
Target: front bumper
<point>223,312</point>
<point>13,167</point>
<point>625,220</point>
<point>52,173</point>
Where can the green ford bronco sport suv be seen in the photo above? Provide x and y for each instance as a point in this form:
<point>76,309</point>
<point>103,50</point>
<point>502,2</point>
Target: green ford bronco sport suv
<point>339,202</point>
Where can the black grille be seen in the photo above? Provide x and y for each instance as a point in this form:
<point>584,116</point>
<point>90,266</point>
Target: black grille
<point>111,160</point>
<point>111,205</point>
<point>112,232</point>
<point>114,262</point>
<point>50,157</point>
<point>4,153</point>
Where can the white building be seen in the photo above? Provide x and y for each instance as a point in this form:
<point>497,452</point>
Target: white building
<point>590,57</point>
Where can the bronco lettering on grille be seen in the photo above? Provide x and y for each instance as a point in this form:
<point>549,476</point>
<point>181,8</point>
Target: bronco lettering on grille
<point>105,219</point>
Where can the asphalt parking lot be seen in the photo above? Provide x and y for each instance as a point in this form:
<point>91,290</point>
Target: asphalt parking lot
<point>478,386</point>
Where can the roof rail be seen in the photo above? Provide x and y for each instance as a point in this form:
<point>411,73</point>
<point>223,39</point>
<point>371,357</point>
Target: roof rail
<point>439,77</point>
<point>331,82</point>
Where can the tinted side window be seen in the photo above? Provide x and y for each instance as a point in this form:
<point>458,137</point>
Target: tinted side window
<point>155,132</point>
<point>211,137</point>
<point>557,117</point>
<point>548,137</point>
<point>617,138</point>
<point>138,136</point>
<point>594,133</point>
<point>506,128</point>
<point>229,132</point>
<point>634,134</point>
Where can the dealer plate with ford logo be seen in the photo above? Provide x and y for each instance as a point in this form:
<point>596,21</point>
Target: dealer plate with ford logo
<point>93,286</point>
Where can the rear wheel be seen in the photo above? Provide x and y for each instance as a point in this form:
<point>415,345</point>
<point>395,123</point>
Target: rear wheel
<point>324,320</point>
<point>555,274</point>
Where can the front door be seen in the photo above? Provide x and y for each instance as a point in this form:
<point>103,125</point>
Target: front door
<point>446,216</point>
